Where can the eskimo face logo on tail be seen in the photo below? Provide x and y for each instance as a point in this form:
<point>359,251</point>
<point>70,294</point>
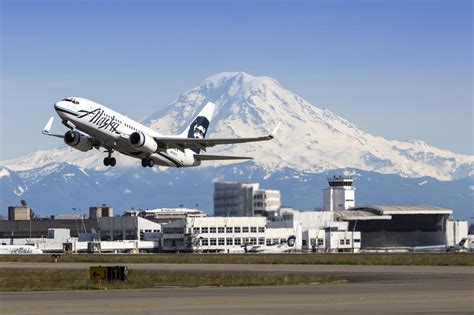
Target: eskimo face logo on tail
<point>198,128</point>
<point>291,241</point>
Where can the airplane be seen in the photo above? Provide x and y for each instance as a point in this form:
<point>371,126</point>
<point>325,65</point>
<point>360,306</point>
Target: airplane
<point>19,249</point>
<point>274,249</point>
<point>266,249</point>
<point>92,125</point>
<point>465,245</point>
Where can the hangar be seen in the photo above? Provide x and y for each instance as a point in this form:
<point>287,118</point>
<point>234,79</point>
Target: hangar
<point>400,226</point>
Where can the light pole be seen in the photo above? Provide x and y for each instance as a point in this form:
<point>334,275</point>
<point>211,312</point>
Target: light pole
<point>75,218</point>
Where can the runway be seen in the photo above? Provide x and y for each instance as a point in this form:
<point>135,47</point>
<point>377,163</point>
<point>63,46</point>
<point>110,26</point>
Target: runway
<point>371,289</point>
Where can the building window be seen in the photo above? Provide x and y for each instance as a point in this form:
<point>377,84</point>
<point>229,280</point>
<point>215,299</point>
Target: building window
<point>220,230</point>
<point>348,242</point>
<point>173,230</point>
<point>245,240</point>
<point>275,241</point>
<point>356,240</point>
<point>229,241</point>
<point>156,231</point>
<point>118,235</point>
<point>237,241</point>
<point>245,229</point>
<point>196,230</point>
<point>261,241</point>
<point>320,241</point>
<point>341,242</point>
<point>253,241</point>
<point>204,230</point>
<point>205,242</point>
<point>130,235</point>
<point>253,229</point>
<point>269,242</point>
<point>282,240</point>
<point>237,229</point>
<point>221,241</point>
<point>304,242</point>
<point>212,241</point>
<point>228,229</point>
<point>212,230</point>
<point>261,229</point>
<point>313,242</point>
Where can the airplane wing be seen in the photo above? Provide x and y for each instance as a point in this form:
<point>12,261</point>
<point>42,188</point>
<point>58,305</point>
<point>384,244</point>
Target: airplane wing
<point>197,143</point>
<point>207,157</point>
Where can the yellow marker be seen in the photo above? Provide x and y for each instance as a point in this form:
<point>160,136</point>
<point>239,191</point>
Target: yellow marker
<point>98,273</point>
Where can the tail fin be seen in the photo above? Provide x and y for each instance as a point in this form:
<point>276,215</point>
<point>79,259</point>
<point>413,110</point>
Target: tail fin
<point>198,127</point>
<point>291,241</point>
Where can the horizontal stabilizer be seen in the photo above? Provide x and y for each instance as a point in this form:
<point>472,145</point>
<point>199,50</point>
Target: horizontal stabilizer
<point>208,157</point>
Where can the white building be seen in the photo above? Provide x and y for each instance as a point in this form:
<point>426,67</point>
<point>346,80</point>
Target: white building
<point>222,234</point>
<point>234,199</point>
<point>340,195</point>
<point>166,215</point>
<point>128,228</point>
<point>244,199</point>
<point>320,233</point>
<point>456,231</point>
<point>266,202</point>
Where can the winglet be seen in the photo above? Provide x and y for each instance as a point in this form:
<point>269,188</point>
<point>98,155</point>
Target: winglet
<point>47,127</point>
<point>275,130</point>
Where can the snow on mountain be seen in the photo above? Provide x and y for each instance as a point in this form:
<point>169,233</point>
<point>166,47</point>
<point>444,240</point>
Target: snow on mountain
<point>311,139</point>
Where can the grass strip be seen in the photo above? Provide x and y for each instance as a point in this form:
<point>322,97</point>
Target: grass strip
<point>19,280</point>
<point>407,259</point>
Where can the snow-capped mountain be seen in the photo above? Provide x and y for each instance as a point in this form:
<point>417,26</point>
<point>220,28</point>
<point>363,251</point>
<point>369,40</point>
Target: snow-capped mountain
<point>311,144</point>
<point>311,139</point>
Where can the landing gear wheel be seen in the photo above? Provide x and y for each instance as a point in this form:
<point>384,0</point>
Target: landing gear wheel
<point>151,162</point>
<point>106,161</point>
<point>112,162</point>
<point>147,162</point>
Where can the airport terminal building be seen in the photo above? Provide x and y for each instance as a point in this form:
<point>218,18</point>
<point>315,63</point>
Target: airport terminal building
<point>339,226</point>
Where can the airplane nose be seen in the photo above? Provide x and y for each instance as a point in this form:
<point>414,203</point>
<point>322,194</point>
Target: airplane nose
<point>59,105</point>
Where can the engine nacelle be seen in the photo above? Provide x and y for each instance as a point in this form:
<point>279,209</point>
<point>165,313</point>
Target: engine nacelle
<point>143,142</point>
<point>77,140</point>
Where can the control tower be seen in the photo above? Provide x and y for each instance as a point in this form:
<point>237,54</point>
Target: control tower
<point>340,195</point>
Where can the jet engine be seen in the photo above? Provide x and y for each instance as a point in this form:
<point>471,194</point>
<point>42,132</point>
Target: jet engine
<point>143,142</point>
<point>77,140</point>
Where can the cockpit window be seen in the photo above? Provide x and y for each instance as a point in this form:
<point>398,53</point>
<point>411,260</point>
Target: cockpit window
<point>71,100</point>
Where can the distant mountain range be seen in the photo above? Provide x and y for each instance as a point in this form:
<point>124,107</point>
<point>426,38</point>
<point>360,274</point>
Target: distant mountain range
<point>312,143</point>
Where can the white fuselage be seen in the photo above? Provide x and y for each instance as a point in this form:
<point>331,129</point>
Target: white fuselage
<point>19,249</point>
<point>111,129</point>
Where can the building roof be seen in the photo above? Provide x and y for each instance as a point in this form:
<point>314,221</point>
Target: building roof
<point>351,215</point>
<point>385,212</point>
<point>402,209</point>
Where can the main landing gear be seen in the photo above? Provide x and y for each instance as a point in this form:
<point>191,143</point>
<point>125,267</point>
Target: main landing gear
<point>147,162</point>
<point>109,160</point>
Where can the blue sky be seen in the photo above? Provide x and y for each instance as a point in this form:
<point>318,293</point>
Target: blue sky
<point>398,69</point>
